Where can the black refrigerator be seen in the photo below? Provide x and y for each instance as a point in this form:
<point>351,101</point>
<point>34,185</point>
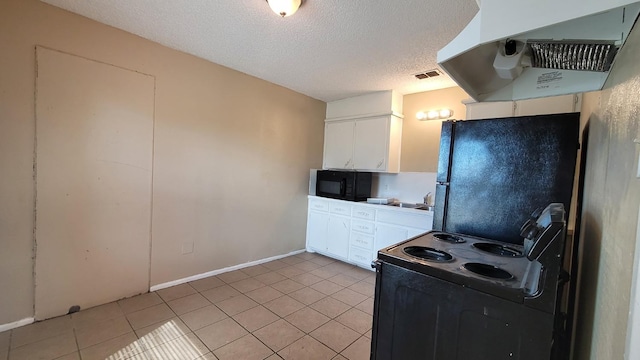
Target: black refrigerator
<point>493,173</point>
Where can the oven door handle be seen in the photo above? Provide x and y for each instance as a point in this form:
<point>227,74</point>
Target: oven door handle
<point>375,264</point>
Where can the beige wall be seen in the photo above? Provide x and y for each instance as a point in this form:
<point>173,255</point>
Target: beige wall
<point>94,135</point>
<point>610,209</point>
<point>231,153</point>
<point>421,139</point>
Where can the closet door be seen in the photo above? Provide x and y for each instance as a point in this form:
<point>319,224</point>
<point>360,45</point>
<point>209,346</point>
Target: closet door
<point>94,136</point>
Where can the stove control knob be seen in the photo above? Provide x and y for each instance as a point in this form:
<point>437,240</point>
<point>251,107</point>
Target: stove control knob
<point>536,213</point>
<point>529,230</point>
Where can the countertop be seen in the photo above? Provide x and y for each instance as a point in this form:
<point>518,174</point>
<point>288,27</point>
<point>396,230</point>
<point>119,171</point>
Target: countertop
<point>376,206</point>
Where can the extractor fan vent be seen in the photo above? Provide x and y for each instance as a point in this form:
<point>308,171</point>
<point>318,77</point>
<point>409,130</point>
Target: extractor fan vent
<point>427,74</point>
<point>589,56</point>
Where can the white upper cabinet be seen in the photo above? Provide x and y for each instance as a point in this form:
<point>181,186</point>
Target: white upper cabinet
<point>370,144</point>
<point>549,105</point>
<point>366,144</point>
<point>540,106</point>
<point>364,133</point>
<point>338,145</point>
<point>365,105</point>
<point>489,110</point>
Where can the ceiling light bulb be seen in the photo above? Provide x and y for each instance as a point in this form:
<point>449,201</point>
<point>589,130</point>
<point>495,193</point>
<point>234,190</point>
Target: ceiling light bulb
<point>433,114</point>
<point>421,115</point>
<point>284,7</point>
<point>446,113</point>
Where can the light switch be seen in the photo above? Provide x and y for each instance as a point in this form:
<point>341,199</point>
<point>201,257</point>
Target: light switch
<point>187,248</point>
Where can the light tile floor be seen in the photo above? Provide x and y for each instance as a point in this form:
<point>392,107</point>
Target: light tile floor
<point>305,306</point>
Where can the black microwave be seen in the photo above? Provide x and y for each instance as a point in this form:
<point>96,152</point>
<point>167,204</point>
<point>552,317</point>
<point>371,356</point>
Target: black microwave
<point>344,185</point>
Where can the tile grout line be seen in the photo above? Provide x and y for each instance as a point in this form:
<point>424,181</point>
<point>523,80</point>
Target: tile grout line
<point>309,307</point>
<point>279,317</point>
<point>360,278</point>
<point>9,345</point>
<point>251,332</point>
<point>75,337</point>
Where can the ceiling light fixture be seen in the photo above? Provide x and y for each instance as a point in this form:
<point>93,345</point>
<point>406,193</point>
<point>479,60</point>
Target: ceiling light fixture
<point>434,114</point>
<point>284,8</point>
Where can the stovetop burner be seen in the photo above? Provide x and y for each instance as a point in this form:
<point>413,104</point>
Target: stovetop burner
<point>460,259</point>
<point>497,249</point>
<point>487,270</point>
<point>427,253</point>
<point>449,238</point>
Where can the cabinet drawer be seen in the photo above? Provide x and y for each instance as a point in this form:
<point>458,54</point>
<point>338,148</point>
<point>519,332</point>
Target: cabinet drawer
<point>420,221</point>
<point>318,204</point>
<point>363,226</point>
<point>339,208</point>
<point>361,240</point>
<point>363,213</point>
<point>360,256</point>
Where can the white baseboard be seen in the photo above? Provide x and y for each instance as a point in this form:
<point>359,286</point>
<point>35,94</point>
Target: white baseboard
<point>15,324</point>
<point>220,271</point>
<point>27,321</point>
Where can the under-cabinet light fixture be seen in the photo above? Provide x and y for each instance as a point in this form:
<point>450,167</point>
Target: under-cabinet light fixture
<point>284,8</point>
<point>434,114</point>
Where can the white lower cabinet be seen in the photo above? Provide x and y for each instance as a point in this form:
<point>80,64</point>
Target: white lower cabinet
<point>411,232</point>
<point>387,235</point>
<point>361,240</point>
<point>360,256</point>
<point>357,237</point>
<point>317,227</point>
<point>338,236</point>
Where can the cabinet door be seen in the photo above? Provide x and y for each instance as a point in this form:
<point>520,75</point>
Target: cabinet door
<point>411,232</point>
<point>489,110</point>
<point>548,105</point>
<point>388,235</point>
<point>370,148</point>
<point>338,236</point>
<point>317,226</point>
<point>338,145</point>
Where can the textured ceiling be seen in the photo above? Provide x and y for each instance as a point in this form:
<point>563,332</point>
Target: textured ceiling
<point>329,50</point>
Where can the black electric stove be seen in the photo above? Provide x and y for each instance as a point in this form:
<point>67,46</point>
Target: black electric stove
<point>448,296</point>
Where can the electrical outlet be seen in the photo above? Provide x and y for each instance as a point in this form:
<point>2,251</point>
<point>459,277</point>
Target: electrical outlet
<point>187,248</point>
<point>637,142</point>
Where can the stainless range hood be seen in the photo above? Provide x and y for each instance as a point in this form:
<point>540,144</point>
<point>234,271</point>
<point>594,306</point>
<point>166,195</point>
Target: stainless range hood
<point>521,49</point>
